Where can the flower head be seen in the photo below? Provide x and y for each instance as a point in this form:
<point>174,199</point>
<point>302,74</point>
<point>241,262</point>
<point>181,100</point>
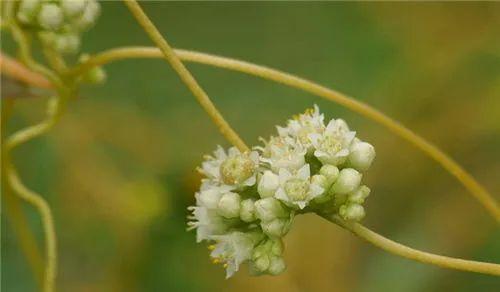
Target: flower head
<point>247,202</point>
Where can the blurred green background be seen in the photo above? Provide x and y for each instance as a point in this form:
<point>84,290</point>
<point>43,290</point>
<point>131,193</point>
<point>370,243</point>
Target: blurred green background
<point>119,168</point>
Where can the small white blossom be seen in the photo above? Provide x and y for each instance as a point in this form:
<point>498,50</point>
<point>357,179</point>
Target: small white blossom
<point>207,223</point>
<point>233,249</point>
<point>332,146</point>
<point>284,152</point>
<point>300,128</point>
<point>234,169</point>
<point>297,189</point>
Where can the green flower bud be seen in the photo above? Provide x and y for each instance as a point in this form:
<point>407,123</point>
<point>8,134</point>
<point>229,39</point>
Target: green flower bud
<point>89,15</point>
<point>330,172</point>
<point>67,43</point>
<point>27,10</point>
<point>352,212</point>
<point>269,208</point>
<point>268,184</point>
<point>359,195</point>
<point>361,156</point>
<point>247,210</point>
<point>348,180</point>
<point>50,16</point>
<point>276,228</point>
<point>229,205</point>
<point>277,266</point>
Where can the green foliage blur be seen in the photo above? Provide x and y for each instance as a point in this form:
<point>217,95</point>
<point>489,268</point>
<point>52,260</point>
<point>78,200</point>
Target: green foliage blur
<point>119,168</point>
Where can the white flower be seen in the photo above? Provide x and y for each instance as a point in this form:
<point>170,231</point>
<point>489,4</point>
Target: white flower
<point>297,189</point>
<point>332,146</point>
<point>234,169</point>
<point>233,249</point>
<point>207,223</point>
<point>268,209</point>
<point>283,152</point>
<point>303,125</point>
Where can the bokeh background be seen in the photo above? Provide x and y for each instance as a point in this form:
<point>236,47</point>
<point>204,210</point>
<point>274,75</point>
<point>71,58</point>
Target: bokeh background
<point>119,168</point>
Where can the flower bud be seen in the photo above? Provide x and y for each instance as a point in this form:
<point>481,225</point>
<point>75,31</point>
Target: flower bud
<point>359,195</point>
<point>27,10</point>
<point>352,212</point>
<point>268,184</point>
<point>89,15</point>
<point>229,205</point>
<point>50,16</point>
<point>66,43</point>
<point>276,228</point>
<point>348,180</point>
<point>95,75</point>
<point>268,209</point>
<point>72,8</point>
<point>361,156</point>
<point>276,266</point>
<point>209,198</point>
<point>320,180</point>
<point>331,172</point>
<point>247,210</point>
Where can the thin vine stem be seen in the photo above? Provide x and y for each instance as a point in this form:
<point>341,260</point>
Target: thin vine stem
<point>414,254</point>
<point>188,79</point>
<point>471,184</point>
<point>54,109</point>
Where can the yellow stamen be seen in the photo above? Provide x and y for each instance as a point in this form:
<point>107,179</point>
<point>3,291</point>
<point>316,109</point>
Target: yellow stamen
<point>211,247</point>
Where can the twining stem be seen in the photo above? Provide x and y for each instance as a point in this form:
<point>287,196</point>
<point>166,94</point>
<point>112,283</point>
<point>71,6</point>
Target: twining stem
<point>413,254</point>
<point>55,107</point>
<point>188,79</point>
<point>473,186</point>
<point>54,111</point>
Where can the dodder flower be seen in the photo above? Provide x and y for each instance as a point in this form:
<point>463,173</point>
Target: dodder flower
<point>247,201</point>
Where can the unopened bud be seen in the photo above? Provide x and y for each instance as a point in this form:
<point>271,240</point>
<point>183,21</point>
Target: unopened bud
<point>352,212</point>
<point>229,205</point>
<point>268,184</point>
<point>361,156</point>
<point>348,180</point>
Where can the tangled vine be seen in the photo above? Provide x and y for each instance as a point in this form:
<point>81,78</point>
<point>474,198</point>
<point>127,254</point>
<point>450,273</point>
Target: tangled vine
<point>249,198</point>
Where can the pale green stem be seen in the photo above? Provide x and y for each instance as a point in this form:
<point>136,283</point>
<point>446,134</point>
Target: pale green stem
<point>414,254</point>
<point>185,75</point>
<point>54,111</point>
<point>473,186</point>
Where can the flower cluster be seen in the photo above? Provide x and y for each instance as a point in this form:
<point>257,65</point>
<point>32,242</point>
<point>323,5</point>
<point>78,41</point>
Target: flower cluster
<point>247,201</point>
<point>58,23</point>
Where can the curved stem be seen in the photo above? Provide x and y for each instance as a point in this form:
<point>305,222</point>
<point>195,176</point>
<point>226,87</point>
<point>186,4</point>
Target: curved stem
<point>414,254</point>
<point>188,79</point>
<point>480,193</point>
<point>55,107</point>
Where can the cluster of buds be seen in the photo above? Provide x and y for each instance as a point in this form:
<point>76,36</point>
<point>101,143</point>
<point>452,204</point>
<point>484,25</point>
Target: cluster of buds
<point>247,201</point>
<point>58,23</point>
